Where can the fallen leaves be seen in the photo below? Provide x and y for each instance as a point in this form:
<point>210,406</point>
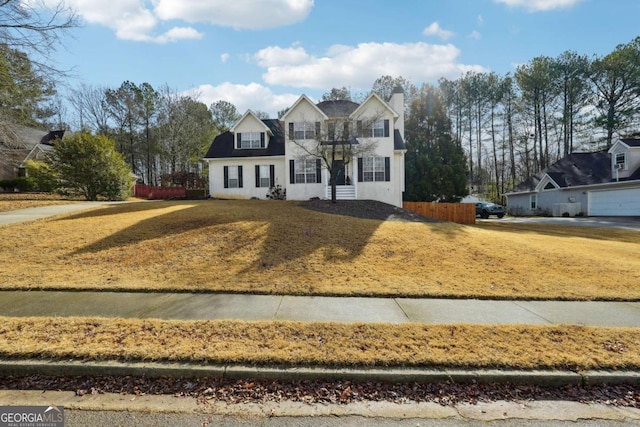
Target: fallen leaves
<point>234,391</point>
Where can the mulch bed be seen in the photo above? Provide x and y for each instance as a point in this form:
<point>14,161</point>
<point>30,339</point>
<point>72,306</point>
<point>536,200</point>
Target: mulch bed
<point>366,209</point>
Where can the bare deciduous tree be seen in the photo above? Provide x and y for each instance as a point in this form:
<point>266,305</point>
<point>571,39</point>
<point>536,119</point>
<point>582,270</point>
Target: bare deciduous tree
<point>336,143</point>
<point>35,28</point>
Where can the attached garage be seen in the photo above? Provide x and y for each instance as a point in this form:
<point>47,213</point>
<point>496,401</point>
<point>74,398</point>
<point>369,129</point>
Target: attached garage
<point>622,202</point>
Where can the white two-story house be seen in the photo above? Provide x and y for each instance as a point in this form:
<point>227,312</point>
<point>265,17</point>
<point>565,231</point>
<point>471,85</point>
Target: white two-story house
<point>363,144</point>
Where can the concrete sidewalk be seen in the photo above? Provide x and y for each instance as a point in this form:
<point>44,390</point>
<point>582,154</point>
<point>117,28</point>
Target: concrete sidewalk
<point>316,309</point>
<point>32,214</point>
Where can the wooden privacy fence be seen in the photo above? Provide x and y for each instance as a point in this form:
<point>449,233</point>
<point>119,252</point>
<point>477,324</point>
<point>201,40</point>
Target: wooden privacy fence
<point>461,213</point>
<point>149,192</point>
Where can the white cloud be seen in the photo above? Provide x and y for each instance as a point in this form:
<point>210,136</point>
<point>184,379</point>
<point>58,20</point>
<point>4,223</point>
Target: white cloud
<point>274,56</point>
<point>475,35</point>
<point>239,14</point>
<point>358,67</point>
<point>540,5</point>
<point>138,21</point>
<point>178,33</point>
<point>253,96</point>
<point>434,29</point>
<point>130,19</point>
<point>224,57</point>
<point>480,20</point>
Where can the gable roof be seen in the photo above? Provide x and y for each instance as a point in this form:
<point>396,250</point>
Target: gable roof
<point>626,142</point>
<point>302,98</point>
<point>382,101</point>
<point>241,119</point>
<point>223,146</point>
<point>13,136</point>
<point>576,169</point>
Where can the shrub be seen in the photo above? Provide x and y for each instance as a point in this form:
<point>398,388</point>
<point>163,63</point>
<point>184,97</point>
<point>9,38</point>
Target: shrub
<point>90,165</point>
<point>21,184</point>
<point>277,193</point>
<point>43,176</point>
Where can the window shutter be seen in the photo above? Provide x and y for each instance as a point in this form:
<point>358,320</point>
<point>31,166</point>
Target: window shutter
<point>257,176</point>
<point>318,131</point>
<point>291,130</point>
<point>318,171</point>
<point>262,140</point>
<point>346,136</point>
<point>386,128</point>
<point>226,177</point>
<point>239,140</point>
<point>360,170</point>
<point>240,176</point>
<point>359,128</point>
<point>272,175</point>
<point>387,169</point>
<point>292,171</point>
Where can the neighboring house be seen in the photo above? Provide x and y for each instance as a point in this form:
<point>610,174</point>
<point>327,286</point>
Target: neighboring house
<point>21,143</point>
<point>255,155</point>
<point>605,183</point>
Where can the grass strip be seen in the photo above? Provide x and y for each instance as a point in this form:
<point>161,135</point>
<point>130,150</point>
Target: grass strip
<point>321,344</point>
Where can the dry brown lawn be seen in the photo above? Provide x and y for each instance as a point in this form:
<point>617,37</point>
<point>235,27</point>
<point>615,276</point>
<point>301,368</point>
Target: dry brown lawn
<point>324,344</point>
<point>281,248</point>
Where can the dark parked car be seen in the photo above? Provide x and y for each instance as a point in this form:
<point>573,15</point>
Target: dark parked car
<point>484,209</point>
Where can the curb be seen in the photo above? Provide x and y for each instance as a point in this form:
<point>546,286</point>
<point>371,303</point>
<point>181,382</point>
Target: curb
<point>548,378</point>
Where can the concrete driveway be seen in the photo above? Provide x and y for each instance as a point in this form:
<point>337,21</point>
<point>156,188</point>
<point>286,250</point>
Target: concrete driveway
<point>620,222</point>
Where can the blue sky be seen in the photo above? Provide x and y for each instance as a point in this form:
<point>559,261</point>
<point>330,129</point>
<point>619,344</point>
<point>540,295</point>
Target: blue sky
<point>263,54</point>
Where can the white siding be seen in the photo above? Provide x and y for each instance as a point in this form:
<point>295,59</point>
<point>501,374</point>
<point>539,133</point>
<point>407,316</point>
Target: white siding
<point>249,189</point>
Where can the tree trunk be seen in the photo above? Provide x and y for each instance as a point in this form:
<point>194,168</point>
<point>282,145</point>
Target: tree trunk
<point>495,153</point>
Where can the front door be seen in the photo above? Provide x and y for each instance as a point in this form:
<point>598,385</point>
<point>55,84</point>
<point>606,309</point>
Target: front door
<point>338,167</point>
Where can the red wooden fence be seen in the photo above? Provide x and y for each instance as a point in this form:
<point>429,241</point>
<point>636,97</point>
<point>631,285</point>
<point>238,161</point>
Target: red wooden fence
<point>149,192</point>
<point>462,213</point>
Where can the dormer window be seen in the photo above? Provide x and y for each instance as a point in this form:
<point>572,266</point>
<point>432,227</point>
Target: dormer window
<point>620,161</point>
<point>246,140</point>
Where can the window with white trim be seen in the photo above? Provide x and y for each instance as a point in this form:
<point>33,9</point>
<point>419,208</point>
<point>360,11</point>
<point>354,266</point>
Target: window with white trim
<point>533,201</point>
<point>621,160</point>
<point>264,176</point>
<point>375,129</point>
<point>251,140</point>
<point>233,176</point>
<point>305,171</point>
<point>373,169</point>
<point>378,129</point>
<point>304,130</point>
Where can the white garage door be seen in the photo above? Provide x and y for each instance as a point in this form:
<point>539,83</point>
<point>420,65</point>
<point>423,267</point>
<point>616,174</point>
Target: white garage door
<point>615,202</point>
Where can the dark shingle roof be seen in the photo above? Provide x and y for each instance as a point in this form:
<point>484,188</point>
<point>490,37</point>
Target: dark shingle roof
<point>338,108</point>
<point>573,170</point>
<point>398,142</point>
<point>223,145</point>
<point>631,142</point>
